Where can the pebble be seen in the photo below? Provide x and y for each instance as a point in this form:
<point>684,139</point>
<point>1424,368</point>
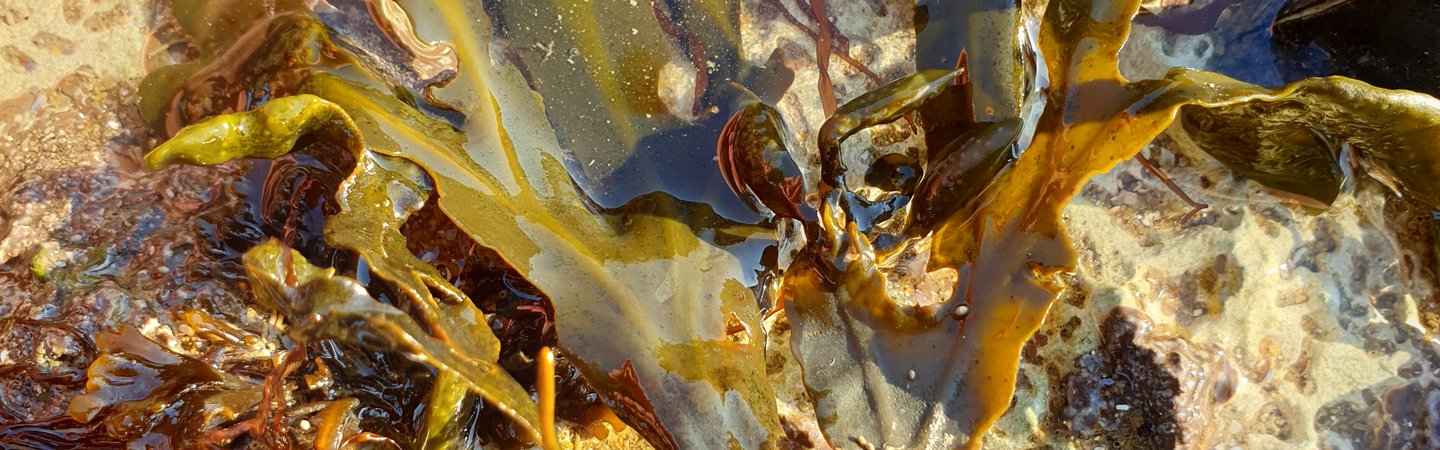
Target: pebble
<point>961,311</point>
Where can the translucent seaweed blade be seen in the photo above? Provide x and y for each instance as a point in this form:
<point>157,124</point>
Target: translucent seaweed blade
<point>322,305</point>
<point>375,201</point>
<point>633,91</point>
<point>258,60</point>
<point>1292,138</point>
<point>988,31</point>
<point>142,387</point>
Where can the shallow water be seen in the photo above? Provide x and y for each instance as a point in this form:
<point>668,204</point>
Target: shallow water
<point>138,247</point>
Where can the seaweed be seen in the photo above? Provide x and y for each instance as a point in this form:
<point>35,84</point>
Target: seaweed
<point>1004,236</point>
<point>321,305</point>
<point>274,129</point>
<point>572,168</point>
<point>151,394</point>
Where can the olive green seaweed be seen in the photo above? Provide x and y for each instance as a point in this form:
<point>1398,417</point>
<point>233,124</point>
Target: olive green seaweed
<point>375,201</point>
<point>516,146</point>
<point>319,304</point>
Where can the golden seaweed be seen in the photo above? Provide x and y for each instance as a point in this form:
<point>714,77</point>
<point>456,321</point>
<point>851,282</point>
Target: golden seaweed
<point>557,162</point>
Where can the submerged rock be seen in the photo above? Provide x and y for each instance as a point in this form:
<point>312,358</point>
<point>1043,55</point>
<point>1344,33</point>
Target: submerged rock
<point>1254,324</point>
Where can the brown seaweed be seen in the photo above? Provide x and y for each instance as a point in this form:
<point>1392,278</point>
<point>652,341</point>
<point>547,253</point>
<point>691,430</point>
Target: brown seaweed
<point>280,123</point>
<point>321,305</point>
<point>398,188</point>
<point>556,160</point>
<point>148,393</point>
<point>1007,245</point>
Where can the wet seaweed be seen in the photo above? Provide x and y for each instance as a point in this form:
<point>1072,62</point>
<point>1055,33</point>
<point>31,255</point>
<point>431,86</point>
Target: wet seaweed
<point>602,197</point>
